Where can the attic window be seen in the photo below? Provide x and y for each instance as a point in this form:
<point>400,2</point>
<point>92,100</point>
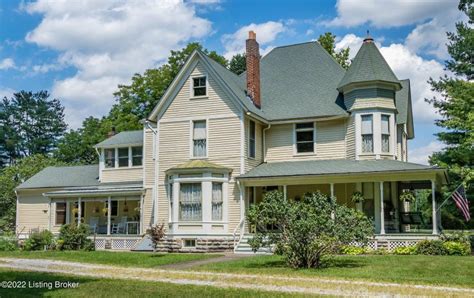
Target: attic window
<point>199,86</point>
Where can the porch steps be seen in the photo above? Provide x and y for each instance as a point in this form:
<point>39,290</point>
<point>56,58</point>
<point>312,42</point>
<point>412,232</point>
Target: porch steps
<point>243,247</point>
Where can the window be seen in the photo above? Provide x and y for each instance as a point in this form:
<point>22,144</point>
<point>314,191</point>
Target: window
<point>109,155</point>
<point>252,139</point>
<point>190,202</point>
<point>137,156</point>
<point>189,242</point>
<point>60,213</point>
<point>123,157</point>
<point>199,138</point>
<point>217,201</point>
<point>304,137</point>
<point>385,133</point>
<point>114,208</point>
<point>199,86</point>
<point>367,134</point>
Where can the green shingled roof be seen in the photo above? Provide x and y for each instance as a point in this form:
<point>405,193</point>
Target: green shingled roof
<point>198,164</point>
<point>133,137</point>
<point>329,167</point>
<point>368,65</point>
<point>64,177</point>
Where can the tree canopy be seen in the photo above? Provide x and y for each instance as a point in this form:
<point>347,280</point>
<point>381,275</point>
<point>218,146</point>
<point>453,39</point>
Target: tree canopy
<point>328,42</point>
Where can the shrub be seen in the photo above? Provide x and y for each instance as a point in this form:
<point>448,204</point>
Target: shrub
<point>430,247</point>
<point>8,243</point>
<point>157,232</point>
<point>405,250</point>
<point>456,237</point>
<point>307,230</point>
<point>39,241</point>
<point>353,250</point>
<point>456,248</point>
<point>74,237</point>
<point>379,251</point>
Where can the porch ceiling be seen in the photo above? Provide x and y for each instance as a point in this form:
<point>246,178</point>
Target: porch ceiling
<point>340,171</point>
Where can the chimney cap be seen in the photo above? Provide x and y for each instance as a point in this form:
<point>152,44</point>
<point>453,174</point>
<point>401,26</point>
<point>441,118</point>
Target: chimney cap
<point>368,38</point>
<point>252,35</point>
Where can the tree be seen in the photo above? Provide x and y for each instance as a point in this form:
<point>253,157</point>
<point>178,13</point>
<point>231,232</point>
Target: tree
<point>238,64</point>
<point>456,108</point>
<point>328,42</point>
<point>11,177</point>
<point>305,231</point>
<point>30,123</point>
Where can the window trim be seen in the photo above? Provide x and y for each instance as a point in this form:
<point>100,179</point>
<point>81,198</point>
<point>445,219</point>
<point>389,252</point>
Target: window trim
<point>191,138</point>
<point>254,140</point>
<point>116,157</point>
<point>133,156</point>
<point>191,89</point>
<point>295,147</point>
<point>202,202</point>
<point>383,134</point>
<point>373,134</point>
<point>56,213</point>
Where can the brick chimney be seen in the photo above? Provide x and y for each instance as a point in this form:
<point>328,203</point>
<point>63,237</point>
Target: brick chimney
<point>253,68</point>
<point>111,133</point>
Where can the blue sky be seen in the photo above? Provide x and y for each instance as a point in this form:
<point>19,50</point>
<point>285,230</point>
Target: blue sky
<point>81,50</point>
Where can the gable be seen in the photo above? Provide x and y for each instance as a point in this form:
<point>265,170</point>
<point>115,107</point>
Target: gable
<point>182,104</point>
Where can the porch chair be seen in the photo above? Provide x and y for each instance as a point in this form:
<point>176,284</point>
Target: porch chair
<point>119,228</point>
<point>94,224</point>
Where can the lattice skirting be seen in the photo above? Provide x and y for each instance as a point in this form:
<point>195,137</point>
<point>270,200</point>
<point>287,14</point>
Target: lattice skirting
<point>387,244</point>
<point>99,243</point>
<point>121,243</point>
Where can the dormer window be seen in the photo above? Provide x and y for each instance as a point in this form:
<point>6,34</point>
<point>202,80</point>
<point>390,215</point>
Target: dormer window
<point>137,156</point>
<point>199,86</point>
<point>385,133</point>
<point>123,157</point>
<point>367,134</point>
<point>109,155</point>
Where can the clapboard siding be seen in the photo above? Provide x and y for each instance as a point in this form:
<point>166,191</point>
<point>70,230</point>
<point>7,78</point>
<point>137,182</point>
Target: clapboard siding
<point>330,142</point>
<point>31,215</point>
<point>148,162</point>
<point>370,103</point>
<point>122,174</point>
<point>253,162</point>
<point>350,139</point>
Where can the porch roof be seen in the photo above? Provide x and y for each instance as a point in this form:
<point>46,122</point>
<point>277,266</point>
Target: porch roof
<point>104,189</point>
<point>337,167</point>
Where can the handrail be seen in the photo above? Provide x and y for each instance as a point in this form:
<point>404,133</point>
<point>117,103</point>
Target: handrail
<point>240,225</point>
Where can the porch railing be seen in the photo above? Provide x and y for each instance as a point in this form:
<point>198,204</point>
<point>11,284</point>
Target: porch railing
<point>239,228</point>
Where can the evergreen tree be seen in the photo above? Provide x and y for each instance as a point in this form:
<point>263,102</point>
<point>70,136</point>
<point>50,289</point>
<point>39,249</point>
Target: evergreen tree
<point>238,64</point>
<point>328,42</point>
<point>456,108</point>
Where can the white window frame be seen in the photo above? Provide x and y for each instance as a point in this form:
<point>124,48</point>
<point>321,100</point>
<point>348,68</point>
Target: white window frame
<point>254,140</point>
<point>116,156</point>
<point>373,134</point>
<point>390,142</point>
<point>191,139</point>
<point>295,147</point>
<point>191,89</point>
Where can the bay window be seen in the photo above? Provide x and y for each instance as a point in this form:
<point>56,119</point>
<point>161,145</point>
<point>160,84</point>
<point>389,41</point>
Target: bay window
<point>199,139</point>
<point>190,202</point>
<point>367,133</point>
<point>385,133</point>
<point>217,201</point>
<point>304,134</point>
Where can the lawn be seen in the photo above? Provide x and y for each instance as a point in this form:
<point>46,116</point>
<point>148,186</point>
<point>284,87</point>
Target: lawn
<point>439,270</point>
<point>118,288</point>
<point>126,259</point>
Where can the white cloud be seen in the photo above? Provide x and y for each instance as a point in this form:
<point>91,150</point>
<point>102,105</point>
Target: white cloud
<point>107,42</point>
<point>6,92</point>
<point>7,63</point>
<point>266,33</point>
<point>352,41</point>
<point>420,155</point>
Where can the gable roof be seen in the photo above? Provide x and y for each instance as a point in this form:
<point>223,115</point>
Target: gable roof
<point>368,65</point>
<point>403,104</point>
<point>132,137</point>
<point>52,177</point>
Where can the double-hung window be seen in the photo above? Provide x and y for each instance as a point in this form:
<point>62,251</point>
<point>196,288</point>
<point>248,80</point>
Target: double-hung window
<point>217,201</point>
<point>109,158</point>
<point>137,156</point>
<point>385,133</point>
<point>190,202</point>
<point>252,139</point>
<point>123,157</point>
<point>199,138</point>
<point>60,213</point>
<point>304,137</point>
<point>367,133</point>
<point>199,87</point>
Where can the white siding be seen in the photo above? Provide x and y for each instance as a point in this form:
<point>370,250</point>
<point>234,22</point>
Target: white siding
<point>122,174</point>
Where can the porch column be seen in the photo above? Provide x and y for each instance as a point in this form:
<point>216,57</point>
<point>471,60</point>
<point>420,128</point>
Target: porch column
<point>141,214</point>
<point>382,215</point>
<point>433,202</point>
<point>285,192</point>
<point>49,212</point>
<point>79,212</point>
<point>332,198</point>
<point>109,211</point>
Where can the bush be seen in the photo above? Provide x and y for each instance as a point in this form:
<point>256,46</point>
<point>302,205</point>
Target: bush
<point>39,241</point>
<point>379,251</point>
<point>157,232</point>
<point>8,243</point>
<point>430,247</point>
<point>352,250</point>
<point>455,248</point>
<point>405,250</point>
<point>307,230</point>
<point>74,237</point>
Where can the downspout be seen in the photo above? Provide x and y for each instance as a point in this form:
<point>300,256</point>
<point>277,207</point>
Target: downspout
<point>264,143</point>
<point>155,158</point>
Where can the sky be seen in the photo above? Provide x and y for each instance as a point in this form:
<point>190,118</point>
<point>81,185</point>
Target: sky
<point>80,51</point>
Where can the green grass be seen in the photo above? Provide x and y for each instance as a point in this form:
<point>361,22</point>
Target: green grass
<point>439,270</point>
<point>93,287</point>
<point>127,259</point>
